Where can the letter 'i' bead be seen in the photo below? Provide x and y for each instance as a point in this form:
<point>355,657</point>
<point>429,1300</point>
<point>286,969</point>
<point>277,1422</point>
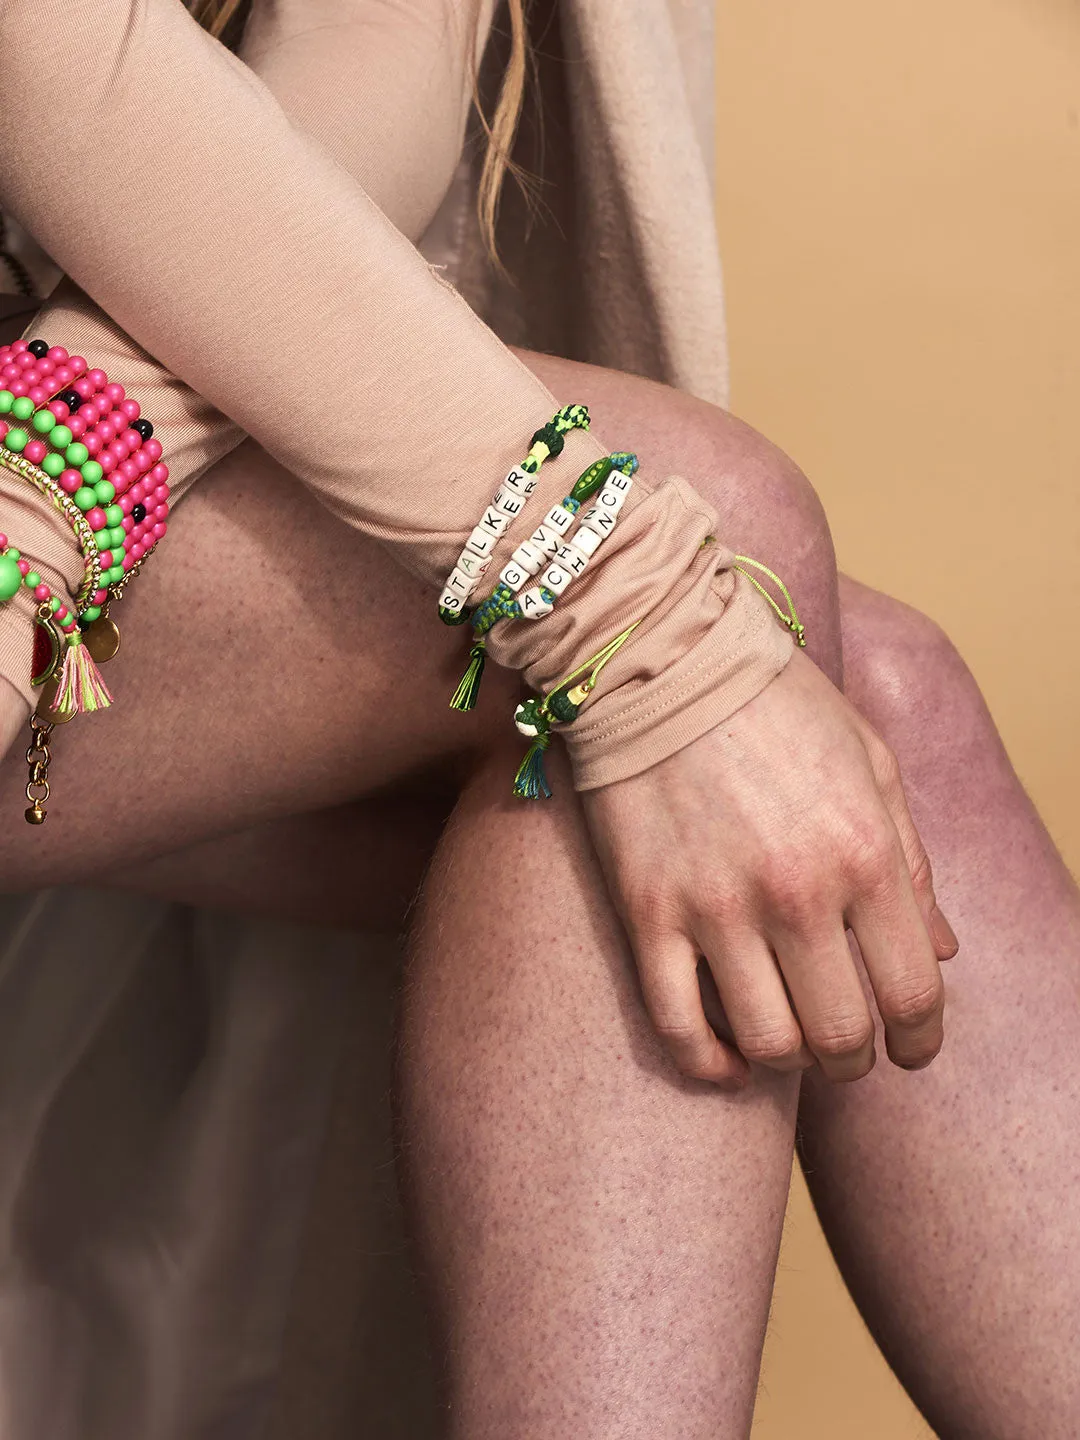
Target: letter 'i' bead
<point>586,540</point>
<point>534,604</point>
<point>545,540</point>
<point>558,519</point>
<point>556,578</point>
<point>481,542</point>
<point>520,482</point>
<point>529,557</point>
<point>571,558</point>
<point>509,503</point>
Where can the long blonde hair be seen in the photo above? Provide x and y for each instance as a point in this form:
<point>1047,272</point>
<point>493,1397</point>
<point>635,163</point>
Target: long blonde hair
<point>501,129</point>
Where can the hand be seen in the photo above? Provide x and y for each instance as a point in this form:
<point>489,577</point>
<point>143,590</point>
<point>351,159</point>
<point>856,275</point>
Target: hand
<point>754,847</point>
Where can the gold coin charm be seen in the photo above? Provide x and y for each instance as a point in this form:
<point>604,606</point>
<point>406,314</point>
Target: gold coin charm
<point>102,639</point>
<point>47,700</point>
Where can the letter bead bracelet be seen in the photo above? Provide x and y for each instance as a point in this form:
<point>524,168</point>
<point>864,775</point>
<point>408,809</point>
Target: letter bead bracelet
<point>81,443</point>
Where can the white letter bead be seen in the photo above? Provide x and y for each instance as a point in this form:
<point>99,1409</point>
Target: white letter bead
<point>529,557</point>
<point>545,540</point>
<point>449,601</point>
<point>556,578</point>
<point>618,481</point>
<point>558,519</point>
<point>533,605</point>
<point>600,521</point>
<point>459,583</point>
<point>521,482</point>
<point>509,503</point>
<point>571,558</point>
<point>513,575</point>
<point>494,522</point>
<point>473,565</point>
<point>481,542</point>
<point>610,499</point>
<point>586,539</point>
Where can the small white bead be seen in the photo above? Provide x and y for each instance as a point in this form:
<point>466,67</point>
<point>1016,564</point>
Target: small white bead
<point>601,522</point>
<point>494,522</point>
<point>449,601</point>
<point>513,575</point>
<point>475,566</point>
<point>509,503</point>
<point>545,540</point>
<point>529,557</point>
<point>481,542</point>
<point>558,519</point>
<point>556,578</point>
<point>521,482</point>
<point>571,558</point>
<point>460,583</point>
<point>586,539</point>
<point>533,604</point>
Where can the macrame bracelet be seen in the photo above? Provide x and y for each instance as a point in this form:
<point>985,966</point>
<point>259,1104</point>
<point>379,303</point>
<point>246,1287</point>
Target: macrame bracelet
<point>561,557</point>
<point>81,442</point>
<point>508,502</point>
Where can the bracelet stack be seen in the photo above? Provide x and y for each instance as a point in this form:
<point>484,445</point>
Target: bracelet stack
<point>82,443</point>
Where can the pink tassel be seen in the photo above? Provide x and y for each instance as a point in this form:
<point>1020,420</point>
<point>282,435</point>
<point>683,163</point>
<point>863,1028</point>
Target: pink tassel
<point>82,689</point>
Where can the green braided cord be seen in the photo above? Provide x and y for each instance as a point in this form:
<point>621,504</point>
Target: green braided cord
<point>469,686</point>
<point>626,462</point>
<point>790,617</point>
<point>530,782</point>
<point>454,617</point>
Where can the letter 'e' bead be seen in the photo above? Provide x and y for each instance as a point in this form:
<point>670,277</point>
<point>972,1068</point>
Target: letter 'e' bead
<point>558,519</point>
<point>509,503</point>
<point>533,604</point>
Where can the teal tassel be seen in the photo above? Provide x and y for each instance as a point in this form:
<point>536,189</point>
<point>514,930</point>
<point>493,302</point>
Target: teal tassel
<point>467,691</point>
<point>530,782</point>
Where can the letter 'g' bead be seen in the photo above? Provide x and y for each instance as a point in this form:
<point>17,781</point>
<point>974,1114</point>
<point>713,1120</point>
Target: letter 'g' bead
<point>556,578</point>
<point>513,575</point>
<point>509,503</point>
<point>586,540</point>
<point>533,603</point>
<point>529,557</point>
<point>481,542</point>
<point>558,519</point>
<point>472,565</point>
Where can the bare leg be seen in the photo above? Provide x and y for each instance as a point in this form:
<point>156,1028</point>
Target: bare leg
<point>950,1196</point>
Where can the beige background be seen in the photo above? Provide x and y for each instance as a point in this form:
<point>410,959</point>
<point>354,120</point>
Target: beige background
<point>899,198</point>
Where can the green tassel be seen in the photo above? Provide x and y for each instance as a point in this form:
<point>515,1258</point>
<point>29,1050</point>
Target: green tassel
<point>530,782</point>
<point>467,691</point>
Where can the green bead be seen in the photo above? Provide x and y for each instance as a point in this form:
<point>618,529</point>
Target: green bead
<point>32,579</point>
<point>91,614</point>
<point>101,540</point>
<point>7,399</point>
<point>13,553</point>
<point>85,498</point>
<point>10,579</point>
<point>22,408</point>
<point>113,514</point>
<point>16,439</point>
<point>61,437</point>
<point>116,574</point>
<point>54,604</point>
<point>105,490</point>
<point>91,472</point>
<point>116,537</point>
<point>76,453</point>
<point>53,465</point>
<point>44,421</point>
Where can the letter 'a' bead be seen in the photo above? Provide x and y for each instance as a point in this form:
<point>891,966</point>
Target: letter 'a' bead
<point>529,557</point>
<point>521,482</point>
<point>586,540</point>
<point>558,519</point>
<point>509,503</point>
<point>571,558</point>
<point>481,542</point>
<point>533,603</point>
<point>460,583</point>
<point>513,575</point>
<point>602,522</point>
<point>494,522</point>
<point>556,578</point>
<point>545,540</point>
<point>473,565</point>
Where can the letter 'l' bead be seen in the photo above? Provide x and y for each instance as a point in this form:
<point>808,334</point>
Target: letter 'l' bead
<point>481,542</point>
<point>586,540</point>
<point>534,604</point>
<point>545,540</point>
<point>513,575</point>
<point>475,566</point>
<point>530,557</point>
<point>602,522</point>
<point>521,482</point>
<point>556,578</point>
<point>509,503</point>
<point>494,522</point>
<point>571,558</point>
<point>558,519</point>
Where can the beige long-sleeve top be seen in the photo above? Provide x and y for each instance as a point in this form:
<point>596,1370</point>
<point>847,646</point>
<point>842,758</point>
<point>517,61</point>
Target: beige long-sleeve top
<point>246,257</point>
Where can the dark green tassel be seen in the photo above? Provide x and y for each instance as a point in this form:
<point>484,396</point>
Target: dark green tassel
<point>467,691</point>
<point>530,782</point>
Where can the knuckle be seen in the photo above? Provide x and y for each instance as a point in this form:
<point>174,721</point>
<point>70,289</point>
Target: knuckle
<point>841,1038</point>
<point>922,875</point>
<point>885,765</point>
<point>649,906</point>
<point>915,1003</point>
<point>770,1044</point>
<point>871,854</point>
<point>794,886</point>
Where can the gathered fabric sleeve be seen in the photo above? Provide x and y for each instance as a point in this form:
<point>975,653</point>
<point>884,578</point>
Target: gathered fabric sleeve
<point>245,257</point>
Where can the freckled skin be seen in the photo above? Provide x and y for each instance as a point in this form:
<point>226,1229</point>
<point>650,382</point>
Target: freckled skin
<point>599,1235</point>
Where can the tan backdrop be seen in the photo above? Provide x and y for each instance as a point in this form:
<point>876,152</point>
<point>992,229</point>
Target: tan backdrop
<point>899,198</point>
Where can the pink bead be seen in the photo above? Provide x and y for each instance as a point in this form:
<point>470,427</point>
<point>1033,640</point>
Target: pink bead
<point>3,542</point>
<point>127,524</point>
<point>126,503</point>
<point>119,449</point>
<point>143,461</point>
<point>114,392</point>
<point>99,597</point>
<point>160,473</point>
<point>38,394</point>
<point>153,448</point>
<point>107,462</point>
<point>77,425</point>
<point>63,376</point>
<point>90,412</point>
<point>136,552</point>
<point>62,613</point>
<point>24,567</point>
<point>130,409</point>
<point>26,361</point>
<point>129,470</point>
<point>58,355</point>
<point>98,379</point>
<point>160,494</point>
<point>161,512</point>
<point>59,409</point>
<point>76,364</point>
<point>42,592</point>
<point>106,558</point>
<point>35,451</point>
<point>132,439</point>
<point>70,481</point>
<point>18,346</point>
<point>92,443</point>
<point>45,366</point>
<point>95,518</point>
<point>10,372</point>
<point>138,492</point>
<point>159,530</point>
<point>18,387</point>
<point>83,388</point>
<point>128,562</point>
<point>4,428</point>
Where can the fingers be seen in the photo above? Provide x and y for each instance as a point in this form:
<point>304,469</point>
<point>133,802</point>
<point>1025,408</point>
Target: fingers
<point>755,1002</point>
<point>829,999</point>
<point>672,995</point>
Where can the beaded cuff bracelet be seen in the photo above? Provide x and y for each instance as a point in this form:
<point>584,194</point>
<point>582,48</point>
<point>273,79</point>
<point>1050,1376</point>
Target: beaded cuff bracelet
<point>81,442</point>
